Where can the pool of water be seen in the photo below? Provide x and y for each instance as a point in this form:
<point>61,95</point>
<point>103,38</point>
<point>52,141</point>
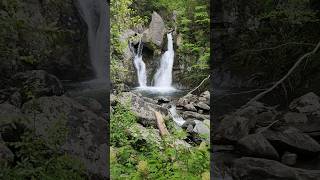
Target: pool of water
<point>152,92</point>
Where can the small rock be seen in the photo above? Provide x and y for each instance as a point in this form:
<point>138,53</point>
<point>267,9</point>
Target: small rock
<point>190,107</point>
<point>189,128</point>
<point>289,159</point>
<point>201,128</point>
<point>206,94</point>
<point>162,100</point>
<point>194,115</point>
<point>200,111</point>
<point>203,106</point>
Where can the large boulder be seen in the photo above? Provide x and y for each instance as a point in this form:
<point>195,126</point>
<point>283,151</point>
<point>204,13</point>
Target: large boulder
<point>257,145</point>
<point>308,103</point>
<point>86,131</point>
<point>9,115</point>
<point>154,35</point>
<point>37,83</point>
<point>142,107</point>
<point>263,169</point>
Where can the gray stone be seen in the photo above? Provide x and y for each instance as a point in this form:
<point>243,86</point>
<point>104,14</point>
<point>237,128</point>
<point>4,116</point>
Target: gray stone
<point>257,145</point>
<point>308,103</point>
<point>289,159</point>
<point>149,135</point>
<point>87,132</point>
<point>190,107</point>
<point>90,103</point>
<point>294,140</point>
<point>156,30</point>
<point>201,128</point>
<point>37,83</point>
<point>203,106</point>
<point>194,115</point>
<point>295,118</point>
<point>256,168</point>
<point>233,128</point>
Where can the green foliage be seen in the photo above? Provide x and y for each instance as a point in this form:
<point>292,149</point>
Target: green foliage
<point>168,161</point>
<point>39,158</point>
<point>121,119</point>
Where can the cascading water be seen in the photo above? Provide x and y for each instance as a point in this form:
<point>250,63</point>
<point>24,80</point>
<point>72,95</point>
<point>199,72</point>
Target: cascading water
<point>163,76</point>
<point>94,13</point>
<point>140,66</point>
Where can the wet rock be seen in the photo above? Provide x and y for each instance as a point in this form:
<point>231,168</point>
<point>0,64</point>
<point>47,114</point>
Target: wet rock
<point>188,99</point>
<point>233,128</point>
<point>37,83</point>
<point>294,140</point>
<point>257,145</point>
<point>256,168</point>
<point>87,132</point>
<point>162,100</point>
<point>289,159</point>
<point>190,107</point>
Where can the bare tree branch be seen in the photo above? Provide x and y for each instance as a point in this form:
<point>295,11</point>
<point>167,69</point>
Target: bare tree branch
<point>205,79</point>
<point>257,97</point>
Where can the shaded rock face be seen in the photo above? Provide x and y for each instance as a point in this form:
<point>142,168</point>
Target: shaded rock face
<point>86,131</point>
<point>257,145</point>
<point>37,83</point>
<point>255,168</point>
<point>294,140</point>
<point>6,156</point>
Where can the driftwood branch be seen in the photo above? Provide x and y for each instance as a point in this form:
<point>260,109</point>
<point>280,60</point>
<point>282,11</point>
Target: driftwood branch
<point>161,125</point>
<point>205,79</point>
<point>257,97</point>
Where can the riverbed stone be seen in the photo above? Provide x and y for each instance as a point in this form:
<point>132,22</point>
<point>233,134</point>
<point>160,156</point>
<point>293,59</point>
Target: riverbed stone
<point>203,106</point>
<point>257,145</point>
<point>190,107</point>
<point>294,140</point>
<point>289,159</point>
<point>233,127</point>
<point>257,168</point>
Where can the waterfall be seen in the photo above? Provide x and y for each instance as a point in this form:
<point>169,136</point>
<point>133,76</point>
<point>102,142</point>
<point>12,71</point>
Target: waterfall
<point>94,13</point>
<point>140,66</point>
<point>163,76</point>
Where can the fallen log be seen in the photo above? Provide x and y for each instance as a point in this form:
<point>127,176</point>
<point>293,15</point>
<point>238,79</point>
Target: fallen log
<point>161,125</point>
